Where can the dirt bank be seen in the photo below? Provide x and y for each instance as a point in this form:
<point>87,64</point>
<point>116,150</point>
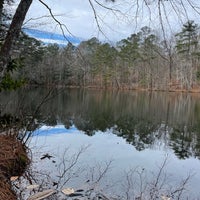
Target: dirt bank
<point>13,161</point>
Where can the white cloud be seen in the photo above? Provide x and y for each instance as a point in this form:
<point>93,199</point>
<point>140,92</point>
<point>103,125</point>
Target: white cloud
<point>78,16</point>
<point>52,41</point>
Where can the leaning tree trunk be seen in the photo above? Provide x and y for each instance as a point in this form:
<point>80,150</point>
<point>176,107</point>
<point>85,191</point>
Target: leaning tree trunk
<point>1,9</point>
<point>12,35</point>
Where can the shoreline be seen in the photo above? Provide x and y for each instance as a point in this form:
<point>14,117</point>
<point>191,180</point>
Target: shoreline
<point>170,90</point>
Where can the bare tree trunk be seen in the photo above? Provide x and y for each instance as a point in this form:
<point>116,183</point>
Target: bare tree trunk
<point>12,35</point>
<point>1,9</point>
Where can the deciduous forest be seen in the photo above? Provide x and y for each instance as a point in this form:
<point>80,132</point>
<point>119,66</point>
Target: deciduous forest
<point>144,60</point>
<point>141,61</point>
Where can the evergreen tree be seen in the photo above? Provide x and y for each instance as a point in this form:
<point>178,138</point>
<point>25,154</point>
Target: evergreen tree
<point>187,39</point>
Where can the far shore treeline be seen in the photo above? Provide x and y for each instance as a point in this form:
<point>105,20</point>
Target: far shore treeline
<point>141,61</point>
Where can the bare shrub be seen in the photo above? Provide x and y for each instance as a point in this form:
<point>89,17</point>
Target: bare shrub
<point>139,185</point>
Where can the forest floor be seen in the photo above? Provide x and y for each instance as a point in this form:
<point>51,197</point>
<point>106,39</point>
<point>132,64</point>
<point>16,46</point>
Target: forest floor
<point>13,162</point>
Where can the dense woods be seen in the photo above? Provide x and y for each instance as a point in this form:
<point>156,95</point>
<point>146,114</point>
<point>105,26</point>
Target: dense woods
<point>141,61</point>
<point>147,59</point>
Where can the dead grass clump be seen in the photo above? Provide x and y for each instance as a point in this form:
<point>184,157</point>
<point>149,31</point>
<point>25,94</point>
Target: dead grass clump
<point>13,157</point>
<point>13,161</point>
<point>6,191</point>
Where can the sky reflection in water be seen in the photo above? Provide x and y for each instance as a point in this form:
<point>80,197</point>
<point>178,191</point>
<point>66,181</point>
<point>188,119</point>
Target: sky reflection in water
<point>106,146</point>
<point>134,129</point>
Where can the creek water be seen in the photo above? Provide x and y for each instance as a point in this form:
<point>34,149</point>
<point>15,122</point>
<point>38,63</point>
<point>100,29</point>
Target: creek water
<point>119,142</point>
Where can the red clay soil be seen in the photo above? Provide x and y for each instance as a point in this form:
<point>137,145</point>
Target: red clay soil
<point>13,161</point>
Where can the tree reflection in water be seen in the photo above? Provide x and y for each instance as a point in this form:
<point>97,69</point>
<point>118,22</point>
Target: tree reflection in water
<point>144,119</point>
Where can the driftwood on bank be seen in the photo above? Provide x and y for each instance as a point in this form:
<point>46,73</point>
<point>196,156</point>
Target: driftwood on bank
<point>42,195</point>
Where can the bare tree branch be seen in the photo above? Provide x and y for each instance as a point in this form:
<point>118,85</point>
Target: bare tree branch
<point>58,22</point>
<point>38,18</point>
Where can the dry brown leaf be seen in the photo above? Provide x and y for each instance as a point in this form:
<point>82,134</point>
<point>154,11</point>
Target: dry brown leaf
<point>14,178</point>
<point>68,191</point>
<point>32,186</point>
<point>165,198</point>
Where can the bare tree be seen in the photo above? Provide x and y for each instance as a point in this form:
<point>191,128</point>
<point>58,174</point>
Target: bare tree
<point>135,7</point>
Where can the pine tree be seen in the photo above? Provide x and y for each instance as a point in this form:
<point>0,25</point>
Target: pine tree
<point>187,39</point>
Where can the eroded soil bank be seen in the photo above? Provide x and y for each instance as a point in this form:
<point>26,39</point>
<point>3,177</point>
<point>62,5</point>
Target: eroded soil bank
<point>13,161</point>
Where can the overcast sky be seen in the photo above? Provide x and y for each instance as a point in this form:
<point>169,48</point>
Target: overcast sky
<point>79,18</point>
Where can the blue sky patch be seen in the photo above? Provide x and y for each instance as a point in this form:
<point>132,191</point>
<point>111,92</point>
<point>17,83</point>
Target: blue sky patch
<point>48,37</point>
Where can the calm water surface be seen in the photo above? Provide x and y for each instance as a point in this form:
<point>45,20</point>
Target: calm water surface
<point>131,133</point>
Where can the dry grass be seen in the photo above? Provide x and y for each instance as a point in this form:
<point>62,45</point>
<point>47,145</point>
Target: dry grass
<point>13,161</point>
<point>6,191</point>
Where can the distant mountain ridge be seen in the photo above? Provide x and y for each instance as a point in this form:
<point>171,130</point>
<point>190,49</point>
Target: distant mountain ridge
<point>50,37</point>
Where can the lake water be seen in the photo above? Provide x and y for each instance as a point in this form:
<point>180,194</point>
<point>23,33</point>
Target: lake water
<point>113,141</point>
